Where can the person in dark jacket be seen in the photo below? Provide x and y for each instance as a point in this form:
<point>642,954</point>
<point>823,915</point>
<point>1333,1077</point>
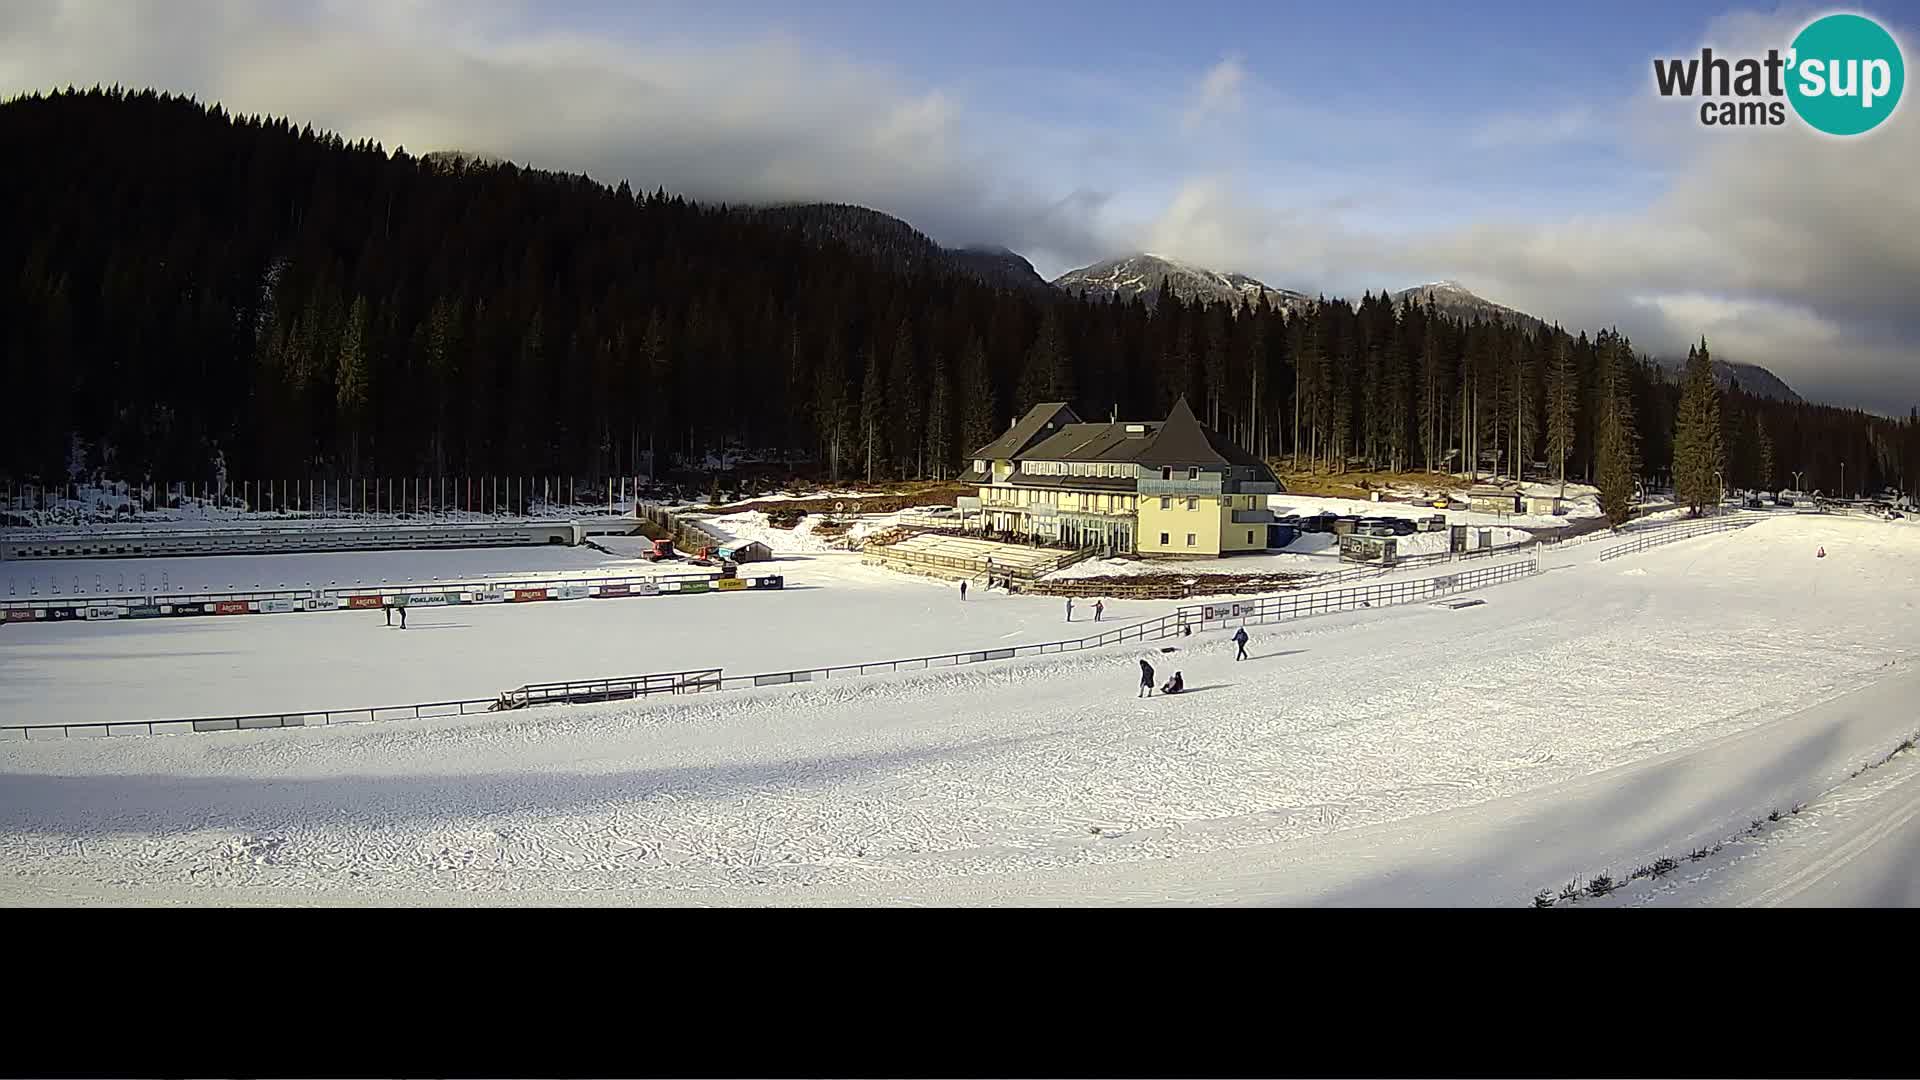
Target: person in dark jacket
<point>1146,679</point>
<point>388,608</point>
<point>963,590</point>
<point>1240,639</point>
<point>1174,685</point>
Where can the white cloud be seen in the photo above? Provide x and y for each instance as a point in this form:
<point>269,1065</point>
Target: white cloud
<point>1219,94</point>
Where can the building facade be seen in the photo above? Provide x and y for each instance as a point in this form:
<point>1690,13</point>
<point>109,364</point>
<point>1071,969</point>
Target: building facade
<point>1169,487</point>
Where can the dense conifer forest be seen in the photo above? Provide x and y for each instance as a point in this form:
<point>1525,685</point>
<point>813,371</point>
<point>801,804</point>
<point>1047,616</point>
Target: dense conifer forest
<point>183,285</point>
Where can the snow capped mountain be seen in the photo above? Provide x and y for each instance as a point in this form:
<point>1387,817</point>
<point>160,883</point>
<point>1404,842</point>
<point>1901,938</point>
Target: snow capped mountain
<point>1141,275</point>
<point>1455,300</point>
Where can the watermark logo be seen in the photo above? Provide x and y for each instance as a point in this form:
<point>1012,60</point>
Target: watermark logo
<point>1842,75</point>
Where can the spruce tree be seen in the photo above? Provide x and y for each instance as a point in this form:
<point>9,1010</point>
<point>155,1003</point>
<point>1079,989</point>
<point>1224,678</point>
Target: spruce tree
<point>1563,395</point>
<point>1615,443</point>
<point>979,421</point>
<point>1699,455</point>
<point>939,419</point>
<point>905,403</point>
<point>873,412</point>
<point>350,379</point>
<point>1766,453</point>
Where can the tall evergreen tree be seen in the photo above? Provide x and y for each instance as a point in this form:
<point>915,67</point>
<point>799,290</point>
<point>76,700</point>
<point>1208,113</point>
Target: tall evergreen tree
<point>1699,456</point>
<point>1616,442</point>
<point>940,418</point>
<point>979,421</point>
<point>350,379</point>
<point>1563,396</point>
<point>873,412</point>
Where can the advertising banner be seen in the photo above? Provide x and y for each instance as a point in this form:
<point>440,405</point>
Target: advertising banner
<point>364,601</point>
<point>523,595</point>
<point>570,592</point>
<point>278,606</point>
<point>24,614</point>
<point>646,588</point>
<point>490,596</point>
<point>613,590</point>
<point>693,586</point>
<point>429,599</point>
<point>231,607</point>
<point>730,584</point>
<point>103,612</point>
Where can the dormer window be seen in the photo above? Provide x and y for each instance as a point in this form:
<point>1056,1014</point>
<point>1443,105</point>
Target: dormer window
<point>1166,472</point>
<point>1193,472</point>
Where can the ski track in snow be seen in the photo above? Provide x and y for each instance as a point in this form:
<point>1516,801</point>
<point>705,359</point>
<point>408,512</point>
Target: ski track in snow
<point>889,788</point>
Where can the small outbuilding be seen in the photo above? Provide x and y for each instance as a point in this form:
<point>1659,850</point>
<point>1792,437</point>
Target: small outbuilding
<point>1493,500</point>
<point>1544,505</point>
<point>745,551</point>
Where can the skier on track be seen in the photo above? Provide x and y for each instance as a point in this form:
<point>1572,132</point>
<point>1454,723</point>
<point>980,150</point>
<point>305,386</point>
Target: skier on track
<point>1240,639</point>
<point>1069,609</point>
<point>1146,679</point>
<point>1098,607</point>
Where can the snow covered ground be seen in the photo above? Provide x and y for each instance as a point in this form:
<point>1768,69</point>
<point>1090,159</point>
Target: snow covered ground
<point>1310,553</point>
<point>752,525</point>
<point>1582,502</point>
<point>30,577</point>
<point>833,610</point>
<point>1595,715</point>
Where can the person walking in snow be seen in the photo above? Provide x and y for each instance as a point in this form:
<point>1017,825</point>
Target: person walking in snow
<point>1069,609</point>
<point>387,607</point>
<point>403,616</point>
<point>963,592</point>
<point>1146,679</point>
<point>1098,607</point>
<point>1240,639</point>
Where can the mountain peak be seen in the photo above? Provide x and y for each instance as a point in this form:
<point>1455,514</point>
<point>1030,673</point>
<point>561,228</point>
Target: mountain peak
<point>1142,275</point>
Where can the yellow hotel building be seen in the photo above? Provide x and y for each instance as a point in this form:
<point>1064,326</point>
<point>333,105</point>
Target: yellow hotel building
<point>1171,487</point>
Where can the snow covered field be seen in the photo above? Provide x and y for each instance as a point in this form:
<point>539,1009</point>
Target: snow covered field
<point>29,577</point>
<point>1598,714</point>
<point>833,610</point>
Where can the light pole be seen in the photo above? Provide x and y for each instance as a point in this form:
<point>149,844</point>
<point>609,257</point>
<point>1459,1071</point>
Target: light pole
<point>1843,479</point>
<point>1798,479</point>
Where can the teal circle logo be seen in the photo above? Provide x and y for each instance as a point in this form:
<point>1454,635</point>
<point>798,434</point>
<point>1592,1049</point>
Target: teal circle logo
<point>1845,74</point>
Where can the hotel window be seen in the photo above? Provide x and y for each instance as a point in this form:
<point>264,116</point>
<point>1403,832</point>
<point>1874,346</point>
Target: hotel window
<point>1166,472</point>
<point>1163,539</point>
<point>1189,539</point>
<point>1249,536</point>
<point>1193,503</point>
<point>1193,472</point>
<point>1166,502</point>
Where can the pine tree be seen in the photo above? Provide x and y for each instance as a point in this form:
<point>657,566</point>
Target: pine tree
<point>1563,395</point>
<point>1699,456</point>
<point>940,418</point>
<point>1766,453</point>
<point>1615,439</point>
<point>905,403</point>
<point>350,379</point>
<point>873,412</point>
<point>978,417</point>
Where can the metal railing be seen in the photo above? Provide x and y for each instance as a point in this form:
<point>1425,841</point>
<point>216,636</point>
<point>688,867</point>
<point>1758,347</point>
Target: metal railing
<point>250,721</point>
<point>1669,534</point>
<point>621,688</point>
<point>1181,622</point>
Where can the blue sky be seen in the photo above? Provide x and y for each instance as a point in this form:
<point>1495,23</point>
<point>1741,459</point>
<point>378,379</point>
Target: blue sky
<point>1515,147</point>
